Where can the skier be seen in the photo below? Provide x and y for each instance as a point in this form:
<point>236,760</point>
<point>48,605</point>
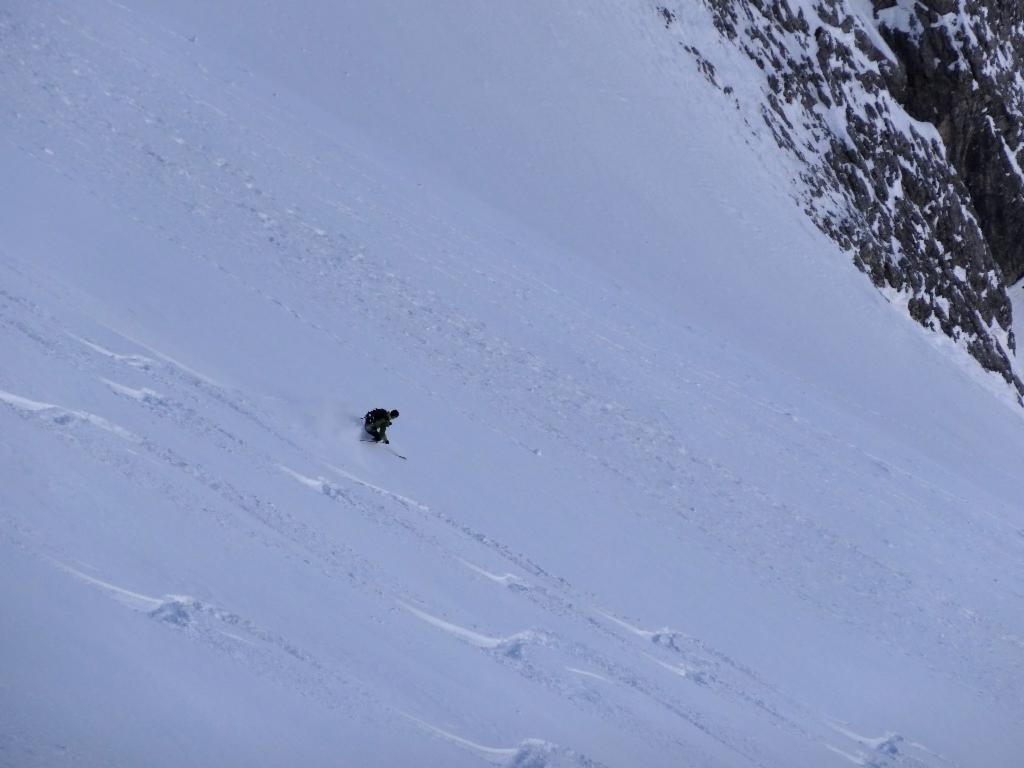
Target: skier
<point>376,423</point>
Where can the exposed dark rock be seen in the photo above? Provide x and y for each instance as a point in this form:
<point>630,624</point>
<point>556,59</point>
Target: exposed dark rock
<point>962,61</point>
<point>910,126</point>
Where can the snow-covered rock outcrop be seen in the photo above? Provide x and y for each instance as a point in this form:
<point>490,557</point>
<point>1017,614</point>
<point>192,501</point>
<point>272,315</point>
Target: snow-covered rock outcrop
<point>907,120</point>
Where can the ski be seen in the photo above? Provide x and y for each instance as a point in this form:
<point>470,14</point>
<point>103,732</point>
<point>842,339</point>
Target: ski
<point>391,450</point>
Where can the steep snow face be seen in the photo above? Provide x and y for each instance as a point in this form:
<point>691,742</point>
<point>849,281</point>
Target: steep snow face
<point>905,119</point>
<point>679,486</point>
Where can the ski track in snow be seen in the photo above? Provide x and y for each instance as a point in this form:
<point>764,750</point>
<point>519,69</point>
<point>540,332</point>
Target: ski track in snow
<point>143,394</point>
<point>63,416</point>
<point>510,646</point>
<point>587,673</point>
<point>241,639</point>
<point>530,752</point>
<point>135,361</point>
<point>383,491</point>
<point>877,750</point>
<point>505,579</point>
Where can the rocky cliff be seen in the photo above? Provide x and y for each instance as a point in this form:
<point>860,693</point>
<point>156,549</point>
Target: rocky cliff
<point>907,119</point>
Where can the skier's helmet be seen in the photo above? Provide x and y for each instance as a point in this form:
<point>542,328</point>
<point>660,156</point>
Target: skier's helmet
<point>393,414</point>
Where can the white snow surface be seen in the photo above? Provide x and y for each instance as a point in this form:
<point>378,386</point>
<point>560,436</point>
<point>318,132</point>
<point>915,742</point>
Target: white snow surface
<point>681,487</point>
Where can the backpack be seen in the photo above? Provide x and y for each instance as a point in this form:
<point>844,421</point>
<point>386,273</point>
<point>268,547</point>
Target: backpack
<point>377,414</point>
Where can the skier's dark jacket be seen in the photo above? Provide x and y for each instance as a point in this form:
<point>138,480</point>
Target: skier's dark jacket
<point>377,421</point>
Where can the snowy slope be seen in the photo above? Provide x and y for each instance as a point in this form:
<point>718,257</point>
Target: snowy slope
<point>681,487</point>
